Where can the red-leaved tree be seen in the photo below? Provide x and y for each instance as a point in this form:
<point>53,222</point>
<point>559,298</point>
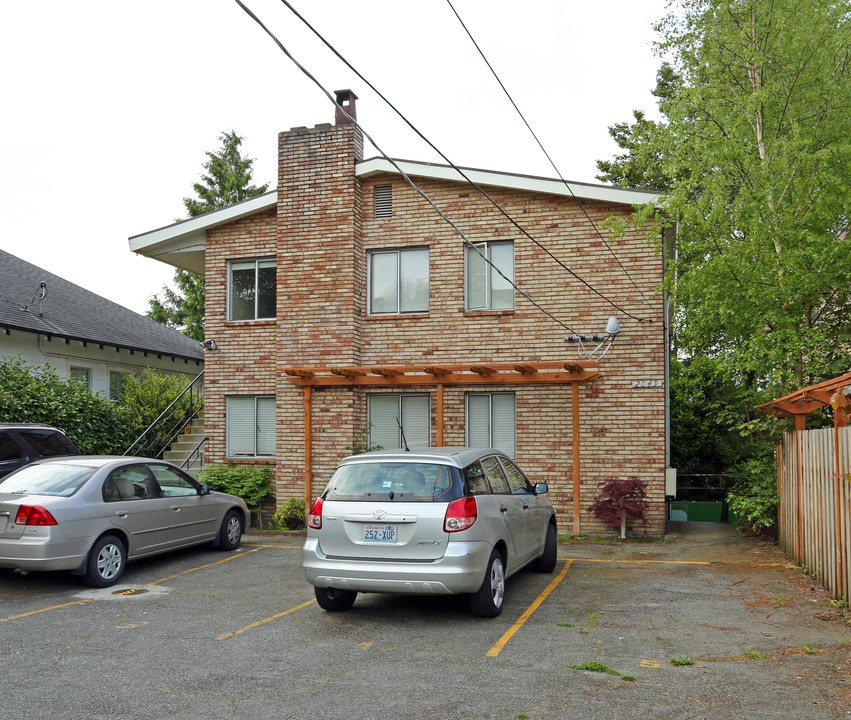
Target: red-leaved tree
<point>619,500</point>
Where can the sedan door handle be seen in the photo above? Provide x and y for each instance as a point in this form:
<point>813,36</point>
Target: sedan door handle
<point>503,509</point>
<point>121,513</point>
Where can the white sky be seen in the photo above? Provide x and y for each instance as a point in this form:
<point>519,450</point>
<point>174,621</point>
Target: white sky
<point>109,106</point>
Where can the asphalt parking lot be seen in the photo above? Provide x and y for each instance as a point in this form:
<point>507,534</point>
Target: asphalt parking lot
<point>204,634</point>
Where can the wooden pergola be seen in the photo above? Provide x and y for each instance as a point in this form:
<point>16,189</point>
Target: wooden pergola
<point>440,376</point>
<point>804,401</point>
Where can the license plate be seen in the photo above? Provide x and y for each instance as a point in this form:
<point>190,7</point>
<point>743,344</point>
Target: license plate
<point>380,533</point>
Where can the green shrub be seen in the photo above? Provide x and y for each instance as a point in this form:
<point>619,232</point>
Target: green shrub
<point>290,516</point>
<point>253,484</point>
<point>754,500</point>
<point>146,394</point>
<point>39,395</point>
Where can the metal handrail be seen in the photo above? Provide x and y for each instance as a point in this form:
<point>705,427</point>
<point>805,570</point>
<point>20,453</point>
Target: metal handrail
<point>196,455</point>
<point>170,423</point>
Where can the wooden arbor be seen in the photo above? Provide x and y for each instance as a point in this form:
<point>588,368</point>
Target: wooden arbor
<point>439,377</point>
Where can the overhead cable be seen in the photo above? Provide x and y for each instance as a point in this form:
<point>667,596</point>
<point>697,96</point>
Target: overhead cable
<point>468,179</point>
<point>552,163</point>
<point>413,185</point>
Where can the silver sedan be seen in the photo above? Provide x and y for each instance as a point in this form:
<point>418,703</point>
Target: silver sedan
<point>91,514</point>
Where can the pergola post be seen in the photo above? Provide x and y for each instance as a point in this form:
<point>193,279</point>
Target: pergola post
<point>576,484</point>
<point>308,446</point>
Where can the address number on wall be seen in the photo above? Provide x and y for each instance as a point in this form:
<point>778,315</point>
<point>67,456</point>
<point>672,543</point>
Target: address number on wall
<point>648,383</point>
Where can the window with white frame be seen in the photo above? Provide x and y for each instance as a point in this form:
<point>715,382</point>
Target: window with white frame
<point>387,412</point>
<point>252,289</point>
<point>398,281</point>
<point>251,426</point>
<point>491,421</point>
<point>488,276</point>
<point>82,375</point>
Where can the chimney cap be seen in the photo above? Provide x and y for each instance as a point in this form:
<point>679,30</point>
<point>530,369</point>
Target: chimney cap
<point>346,100</point>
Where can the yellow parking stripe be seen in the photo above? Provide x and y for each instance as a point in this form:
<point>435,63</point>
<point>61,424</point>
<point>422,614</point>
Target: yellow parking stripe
<point>261,622</point>
<point>495,650</point>
<point>202,567</point>
<point>54,607</point>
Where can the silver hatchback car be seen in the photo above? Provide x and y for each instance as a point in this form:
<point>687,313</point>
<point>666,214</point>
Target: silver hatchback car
<point>428,521</point>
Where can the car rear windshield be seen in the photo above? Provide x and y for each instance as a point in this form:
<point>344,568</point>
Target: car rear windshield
<point>54,479</point>
<point>48,443</point>
<point>395,481</point>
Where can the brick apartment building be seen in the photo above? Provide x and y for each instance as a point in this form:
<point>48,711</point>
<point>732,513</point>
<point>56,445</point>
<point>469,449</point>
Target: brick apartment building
<point>342,304</point>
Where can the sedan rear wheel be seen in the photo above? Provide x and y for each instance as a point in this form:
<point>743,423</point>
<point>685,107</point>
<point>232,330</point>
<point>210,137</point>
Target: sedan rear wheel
<point>334,600</point>
<point>107,560</point>
<point>487,601</point>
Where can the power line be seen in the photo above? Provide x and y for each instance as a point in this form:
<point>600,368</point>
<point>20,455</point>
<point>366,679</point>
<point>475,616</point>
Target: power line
<point>552,163</point>
<point>416,188</point>
<point>471,181</point>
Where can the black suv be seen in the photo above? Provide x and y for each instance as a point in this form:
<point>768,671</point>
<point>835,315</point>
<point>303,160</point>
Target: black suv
<point>23,443</point>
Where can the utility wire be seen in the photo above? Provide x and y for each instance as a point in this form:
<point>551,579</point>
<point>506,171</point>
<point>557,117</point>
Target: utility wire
<point>467,178</point>
<point>547,155</point>
<point>416,188</point>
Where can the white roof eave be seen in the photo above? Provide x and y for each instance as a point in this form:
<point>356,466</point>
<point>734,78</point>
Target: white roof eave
<point>586,191</point>
<point>183,244</point>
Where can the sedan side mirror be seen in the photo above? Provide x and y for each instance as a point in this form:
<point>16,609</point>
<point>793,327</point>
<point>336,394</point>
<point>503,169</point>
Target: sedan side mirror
<point>541,488</point>
<point>204,490</point>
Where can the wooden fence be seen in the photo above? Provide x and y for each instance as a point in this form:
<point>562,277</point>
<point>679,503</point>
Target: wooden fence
<point>814,515</point>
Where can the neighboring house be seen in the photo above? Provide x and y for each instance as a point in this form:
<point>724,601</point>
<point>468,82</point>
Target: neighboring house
<point>343,304</point>
<point>48,320</point>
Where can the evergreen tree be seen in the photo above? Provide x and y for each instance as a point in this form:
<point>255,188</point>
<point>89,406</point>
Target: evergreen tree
<point>227,181</point>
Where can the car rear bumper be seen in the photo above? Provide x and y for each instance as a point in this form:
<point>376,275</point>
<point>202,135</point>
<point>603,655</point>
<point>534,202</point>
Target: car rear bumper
<point>460,570</point>
<point>42,553</point>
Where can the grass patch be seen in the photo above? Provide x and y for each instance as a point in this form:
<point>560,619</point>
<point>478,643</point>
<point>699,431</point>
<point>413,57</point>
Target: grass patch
<point>565,624</point>
<point>595,666</point>
<point>754,655</point>
<point>682,661</point>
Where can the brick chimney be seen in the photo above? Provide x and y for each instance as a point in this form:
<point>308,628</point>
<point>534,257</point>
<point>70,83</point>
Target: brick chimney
<point>346,100</point>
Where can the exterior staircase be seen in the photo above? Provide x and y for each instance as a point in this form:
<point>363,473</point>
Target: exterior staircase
<point>187,451</point>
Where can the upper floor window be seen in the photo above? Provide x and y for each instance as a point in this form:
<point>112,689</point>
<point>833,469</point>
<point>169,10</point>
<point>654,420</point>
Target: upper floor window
<point>252,290</point>
<point>398,281</point>
<point>488,276</point>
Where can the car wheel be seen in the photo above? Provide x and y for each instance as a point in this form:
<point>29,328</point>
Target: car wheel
<point>547,562</point>
<point>487,601</point>
<point>334,600</point>
<point>107,560</point>
<point>230,533</point>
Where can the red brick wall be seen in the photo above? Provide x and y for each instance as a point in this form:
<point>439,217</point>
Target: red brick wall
<point>322,231</point>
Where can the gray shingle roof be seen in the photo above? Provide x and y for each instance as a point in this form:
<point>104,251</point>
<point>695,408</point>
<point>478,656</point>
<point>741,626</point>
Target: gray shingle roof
<point>69,311</point>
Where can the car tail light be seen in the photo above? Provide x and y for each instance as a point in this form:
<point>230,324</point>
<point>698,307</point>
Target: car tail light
<point>314,519</point>
<point>460,514</point>
<point>34,515</point>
